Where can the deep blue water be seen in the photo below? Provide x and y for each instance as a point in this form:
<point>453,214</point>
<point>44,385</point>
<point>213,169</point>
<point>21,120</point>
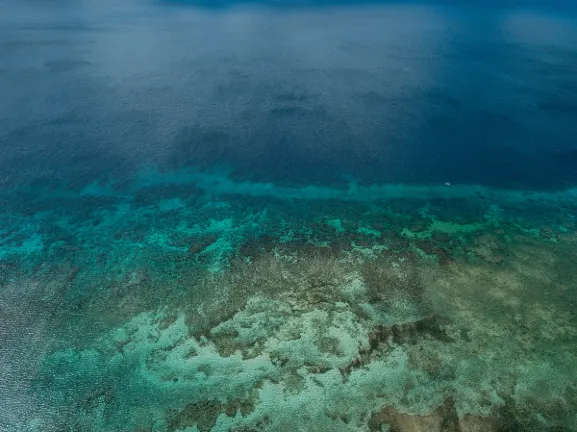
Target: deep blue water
<point>379,93</point>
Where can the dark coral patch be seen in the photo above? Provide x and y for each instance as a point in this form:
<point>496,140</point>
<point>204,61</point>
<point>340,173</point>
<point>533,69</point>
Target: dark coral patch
<point>199,244</point>
<point>419,225</point>
<point>203,414</point>
<point>427,246</point>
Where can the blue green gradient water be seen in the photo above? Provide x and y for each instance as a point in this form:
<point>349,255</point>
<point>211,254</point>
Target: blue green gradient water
<point>270,218</point>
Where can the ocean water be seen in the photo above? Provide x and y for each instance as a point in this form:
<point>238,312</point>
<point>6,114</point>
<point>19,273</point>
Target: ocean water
<point>288,216</point>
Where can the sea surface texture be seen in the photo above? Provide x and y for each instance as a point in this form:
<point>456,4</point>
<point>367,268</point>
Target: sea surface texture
<point>276,216</point>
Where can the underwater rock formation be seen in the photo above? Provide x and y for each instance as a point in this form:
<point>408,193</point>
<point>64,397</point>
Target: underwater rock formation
<point>442,419</point>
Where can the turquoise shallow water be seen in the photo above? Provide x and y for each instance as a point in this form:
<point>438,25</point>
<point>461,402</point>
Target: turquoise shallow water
<point>371,229</point>
<point>215,305</point>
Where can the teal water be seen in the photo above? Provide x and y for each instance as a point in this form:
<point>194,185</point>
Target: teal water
<point>407,267</point>
<point>195,306</point>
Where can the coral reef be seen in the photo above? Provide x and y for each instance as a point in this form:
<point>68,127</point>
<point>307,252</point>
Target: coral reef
<point>490,248</point>
<point>442,419</point>
<point>258,315</point>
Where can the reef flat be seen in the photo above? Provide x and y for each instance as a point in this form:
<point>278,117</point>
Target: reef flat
<point>182,306</point>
